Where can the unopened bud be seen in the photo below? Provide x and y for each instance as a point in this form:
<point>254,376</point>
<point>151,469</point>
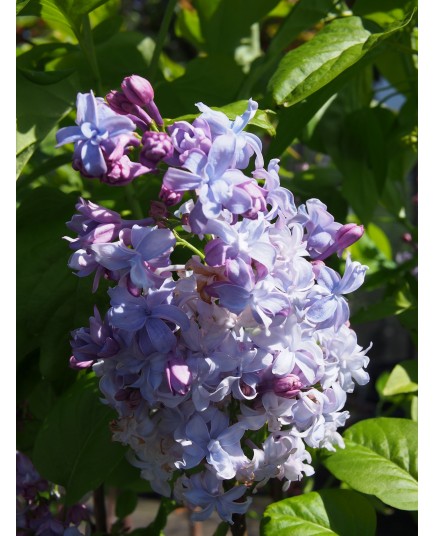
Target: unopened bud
<point>138,90</point>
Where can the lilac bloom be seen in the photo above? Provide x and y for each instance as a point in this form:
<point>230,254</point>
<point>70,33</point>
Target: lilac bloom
<point>247,144</point>
<point>148,315</point>
<point>302,356</point>
<point>96,224</point>
<point>206,491</point>
<point>216,184</point>
<point>93,343</point>
<point>280,199</point>
<point>149,244</point>
<point>185,137</point>
<point>264,299</point>
<point>97,126</point>
<point>247,240</point>
<point>319,225</point>
<point>326,306</point>
<point>210,436</point>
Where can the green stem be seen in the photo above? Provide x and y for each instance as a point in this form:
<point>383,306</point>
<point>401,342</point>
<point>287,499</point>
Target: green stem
<point>181,242</point>
<point>136,209</point>
<point>160,38</point>
<point>85,40</point>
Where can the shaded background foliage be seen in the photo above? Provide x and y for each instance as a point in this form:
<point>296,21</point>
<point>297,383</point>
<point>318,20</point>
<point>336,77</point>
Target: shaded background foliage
<point>337,83</point>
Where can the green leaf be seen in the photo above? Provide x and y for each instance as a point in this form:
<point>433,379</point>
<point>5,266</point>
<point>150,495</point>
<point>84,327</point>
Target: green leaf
<point>303,15</point>
<point>383,12</point>
<point>231,19</point>
<point>308,68</point>
<point>222,529</point>
<point>188,26</point>
<point>414,407</point>
<point>402,379</point>
<point>45,77</point>
<point>319,513</point>
<point>51,300</point>
<point>126,503</point>
<point>380,458</point>
<point>74,447</point>
<point>39,109</point>
<point>293,120</point>
<point>21,4</point>
<point>213,80</point>
<point>361,157</point>
<point>70,11</point>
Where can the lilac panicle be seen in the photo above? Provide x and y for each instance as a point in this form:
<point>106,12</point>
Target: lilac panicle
<point>221,371</point>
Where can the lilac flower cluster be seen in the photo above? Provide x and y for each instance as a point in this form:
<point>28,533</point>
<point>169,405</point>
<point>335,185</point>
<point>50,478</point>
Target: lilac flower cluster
<point>224,369</point>
<point>37,499</point>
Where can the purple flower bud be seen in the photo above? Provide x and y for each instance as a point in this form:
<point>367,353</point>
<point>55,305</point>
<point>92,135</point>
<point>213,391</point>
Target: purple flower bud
<point>347,235</point>
<point>169,197</point>
<point>287,387</point>
<point>178,375</point>
<point>156,147</point>
<point>138,90</point>
<point>120,103</point>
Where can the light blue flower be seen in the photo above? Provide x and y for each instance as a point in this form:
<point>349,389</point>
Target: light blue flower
<point>98,128</point>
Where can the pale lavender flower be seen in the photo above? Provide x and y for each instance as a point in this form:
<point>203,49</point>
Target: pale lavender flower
<point>99,132</point>
<point>150,249</point>
<point>206,491</point>
<point>326,305</point>
<point>148,315</point>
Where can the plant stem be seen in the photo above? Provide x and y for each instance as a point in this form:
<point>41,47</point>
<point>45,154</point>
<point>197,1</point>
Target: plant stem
<point>161,37</point>
<point>181,242</point>
<point>99,509</point>
<point>86,43</point>
<point>239,528</point>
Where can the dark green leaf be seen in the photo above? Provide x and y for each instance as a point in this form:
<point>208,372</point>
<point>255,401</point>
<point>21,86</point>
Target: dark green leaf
<point>106,29</point>
<point>41,399</point>
<point>222,529</point>
<point>402,379</point>
<point>73,447</point>
<point>188,26</point>
<point>45,77</point>
<point>293,120</point>
<point>39,109</point>
<point>301,17</point>
<point>126,503</point>
<point>21,4</point>
<point>319,513</point>
<point>308,68</point>
<point>213,80</point>
<point>361,157</point>
<point>231,19</point>
<point>70,11</point>
<point>383,12</point>
<point>380,458</point>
